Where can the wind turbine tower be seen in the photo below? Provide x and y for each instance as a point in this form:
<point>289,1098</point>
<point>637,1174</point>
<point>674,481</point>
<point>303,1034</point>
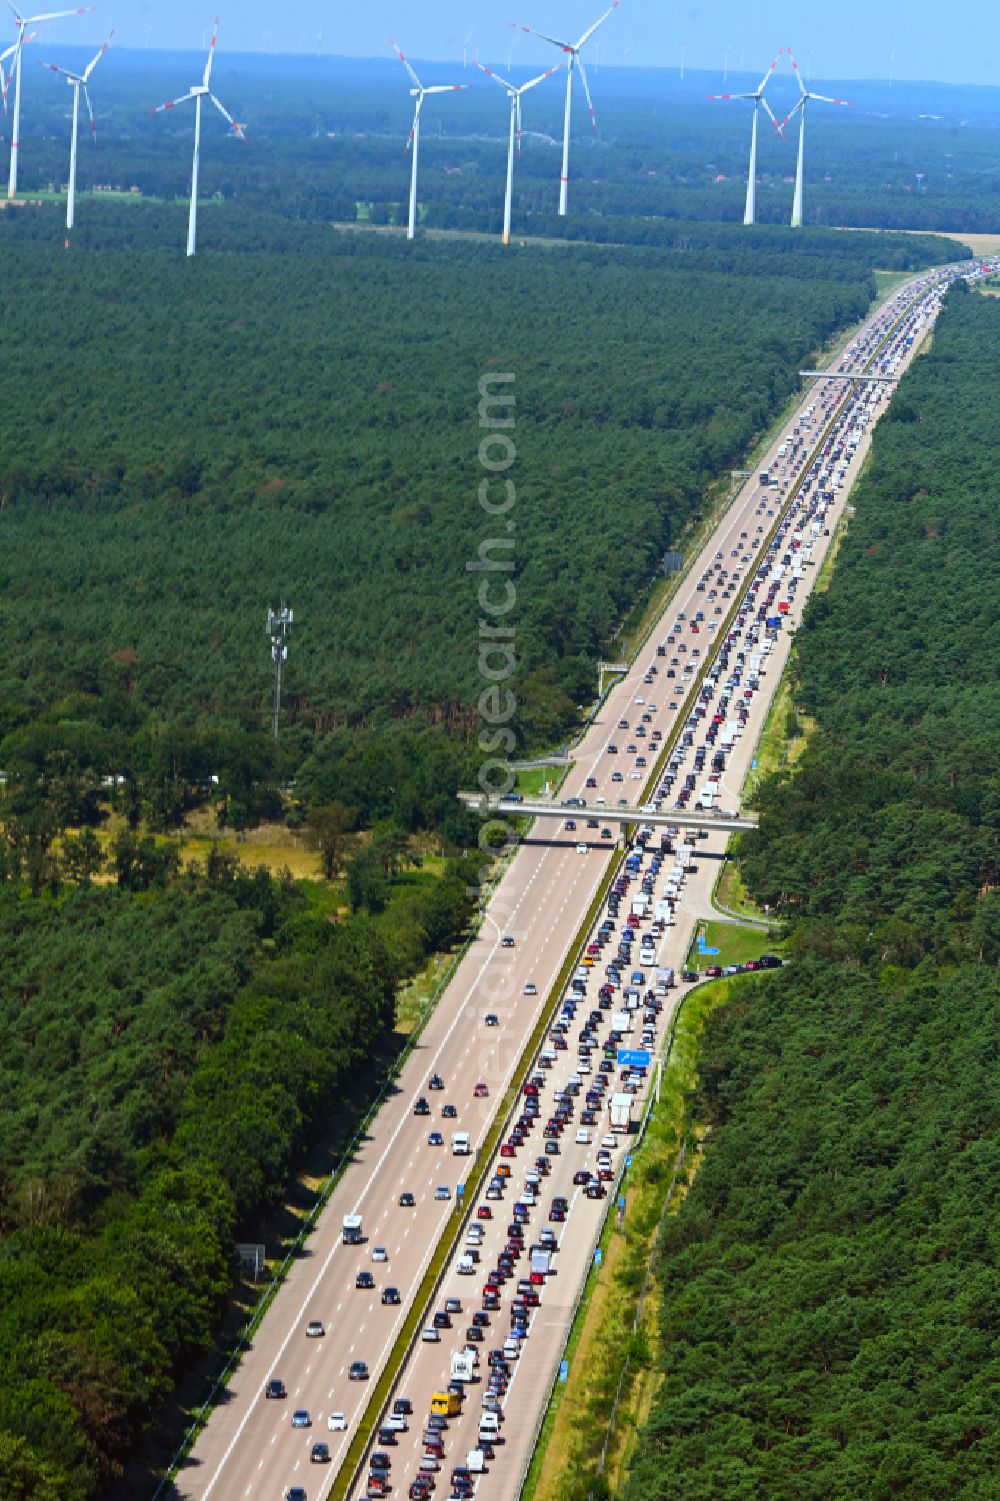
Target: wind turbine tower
<point>800,106</point>
<point>419,93</point>
<point>573,60</point>
<point>22,23</point>
<point>749,212</point>
<point>514,94</point>
<point>76,82</point>
<point>199,92</point>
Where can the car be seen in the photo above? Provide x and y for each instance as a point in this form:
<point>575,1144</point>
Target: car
<point>357,1371</point>
<point>337,1422</point>
<point>390,1296</point>
<point>421,1107</point>
<point>301,1418</point>
<point>295,1493</point>
<point>364,1280</point>
<point>442,1191</point>
<point>770,961</point>
<point>506,942</point>
<point>421,1488</point>
<point>435,1139</point>
<point>319,1454</point>
<point>530,989</point>
<point>275,1389</point>
<point>491,1019</point>
<point>480,1092</point>
<point>379,1253</point>
<point>380,1462</point>
<point>314,1329</point>
<point>570,825</point>
<point>453,1305</point>
<point>406,1201</point>
<point>430,1335</point>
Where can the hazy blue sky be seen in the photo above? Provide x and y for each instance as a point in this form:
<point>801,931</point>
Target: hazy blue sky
<point>847,38</point>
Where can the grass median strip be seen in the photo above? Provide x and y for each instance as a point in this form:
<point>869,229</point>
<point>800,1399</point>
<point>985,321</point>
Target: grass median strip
<point>382,1390</point>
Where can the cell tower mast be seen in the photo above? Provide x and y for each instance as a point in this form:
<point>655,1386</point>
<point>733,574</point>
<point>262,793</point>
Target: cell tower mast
<point>279,628</point>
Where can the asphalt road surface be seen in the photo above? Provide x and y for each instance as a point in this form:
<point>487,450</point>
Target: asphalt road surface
<point>249,1447</point>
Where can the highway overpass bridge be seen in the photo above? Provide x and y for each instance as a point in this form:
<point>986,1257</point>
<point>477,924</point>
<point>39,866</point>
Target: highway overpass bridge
<point>535,807</point>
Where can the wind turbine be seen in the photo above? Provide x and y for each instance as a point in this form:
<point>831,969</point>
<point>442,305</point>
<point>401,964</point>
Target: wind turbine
<point>419,92</point>
<point>514,94</point>
<point>76,82</point>
<point>465,47</point>
<point>199,92</point>
<point>800,105</point>
<point>22,23</point>
<point>574,60</point>
<point>758,99</point>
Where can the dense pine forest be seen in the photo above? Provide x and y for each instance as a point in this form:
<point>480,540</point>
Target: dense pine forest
<point>296,416</point>
<point>830,1283</point>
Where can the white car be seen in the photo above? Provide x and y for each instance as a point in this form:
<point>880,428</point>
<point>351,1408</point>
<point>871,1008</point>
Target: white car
<point>530,989</point>
<point>379,1253</point>
<point>337,1422</point>
<point>430,1335</point>
<point>442,1191</point>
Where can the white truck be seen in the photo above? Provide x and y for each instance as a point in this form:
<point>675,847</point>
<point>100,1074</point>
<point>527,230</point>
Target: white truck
<point>541,1260</point>
<point>460,1144</point>
<point>707,795</point>
<point>463,1365</point>
<point>665,977</point>
<point>621,1021</point>
<point>352,1230</point>
<point>620,1111</point>
<point>639,904</point>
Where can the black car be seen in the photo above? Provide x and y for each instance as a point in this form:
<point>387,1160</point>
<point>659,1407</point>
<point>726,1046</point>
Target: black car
<point>319,1454</point>
<point>406,1201</point>
<point>421,1107</point>
<point>402,1407</point>
<point>435,1082</point>
<point>391,1295</point>
<point>770,961</point>
<point>275,1388</point>
<point>364,1280</point>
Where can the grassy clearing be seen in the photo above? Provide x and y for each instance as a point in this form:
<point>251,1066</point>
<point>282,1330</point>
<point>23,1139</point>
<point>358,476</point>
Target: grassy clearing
<point>534,781</point>
<point>732,896</point>
<point>603,1335</point>
<point>886,282</point>
<point>735,944</point>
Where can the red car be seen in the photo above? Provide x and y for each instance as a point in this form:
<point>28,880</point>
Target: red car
<point>484,1212</point>
<point>508,1150</point>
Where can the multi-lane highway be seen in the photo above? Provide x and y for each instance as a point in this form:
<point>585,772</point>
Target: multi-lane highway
<point>477,1035</point>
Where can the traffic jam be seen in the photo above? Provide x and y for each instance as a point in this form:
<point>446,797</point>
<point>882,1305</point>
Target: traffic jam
<point>580,1106</point>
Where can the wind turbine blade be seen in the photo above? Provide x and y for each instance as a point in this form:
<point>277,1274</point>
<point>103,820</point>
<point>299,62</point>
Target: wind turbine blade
<point>796,107</point>
<point>416,117</point>
<point>517,121</point>
<point>760,88</point>
<point>206,79</point>
<point>731,96</point>
<point>586,90</point>
<point>825,98</point>
<point>490,74</point>
<point>64,72</point>
<point>588,34</point>
<point>94,61</point>
<point>795,70</point>
<point>90,112</point>
<point>171,104</point>
<point>540,79</point>
<point>403,59</point>
<point>54,15</point>
<point>234,125</point>
<point>446,88</point>
<point>779,128</point>
<point>565,46</point>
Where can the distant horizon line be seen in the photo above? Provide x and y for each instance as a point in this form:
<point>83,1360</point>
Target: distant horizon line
<point>671,69</point>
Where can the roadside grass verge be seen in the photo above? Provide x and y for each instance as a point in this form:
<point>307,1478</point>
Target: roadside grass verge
<point>610,1329</point>
<point>732,896</point>
<point>735,943</point>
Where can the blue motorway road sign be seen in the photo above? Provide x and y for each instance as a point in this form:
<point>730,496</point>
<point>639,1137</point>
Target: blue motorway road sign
<point>634,1057</point>
<point>564,1370</point>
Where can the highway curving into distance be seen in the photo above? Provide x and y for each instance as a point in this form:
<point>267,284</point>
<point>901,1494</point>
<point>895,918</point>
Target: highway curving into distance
<point>249,1447</point>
